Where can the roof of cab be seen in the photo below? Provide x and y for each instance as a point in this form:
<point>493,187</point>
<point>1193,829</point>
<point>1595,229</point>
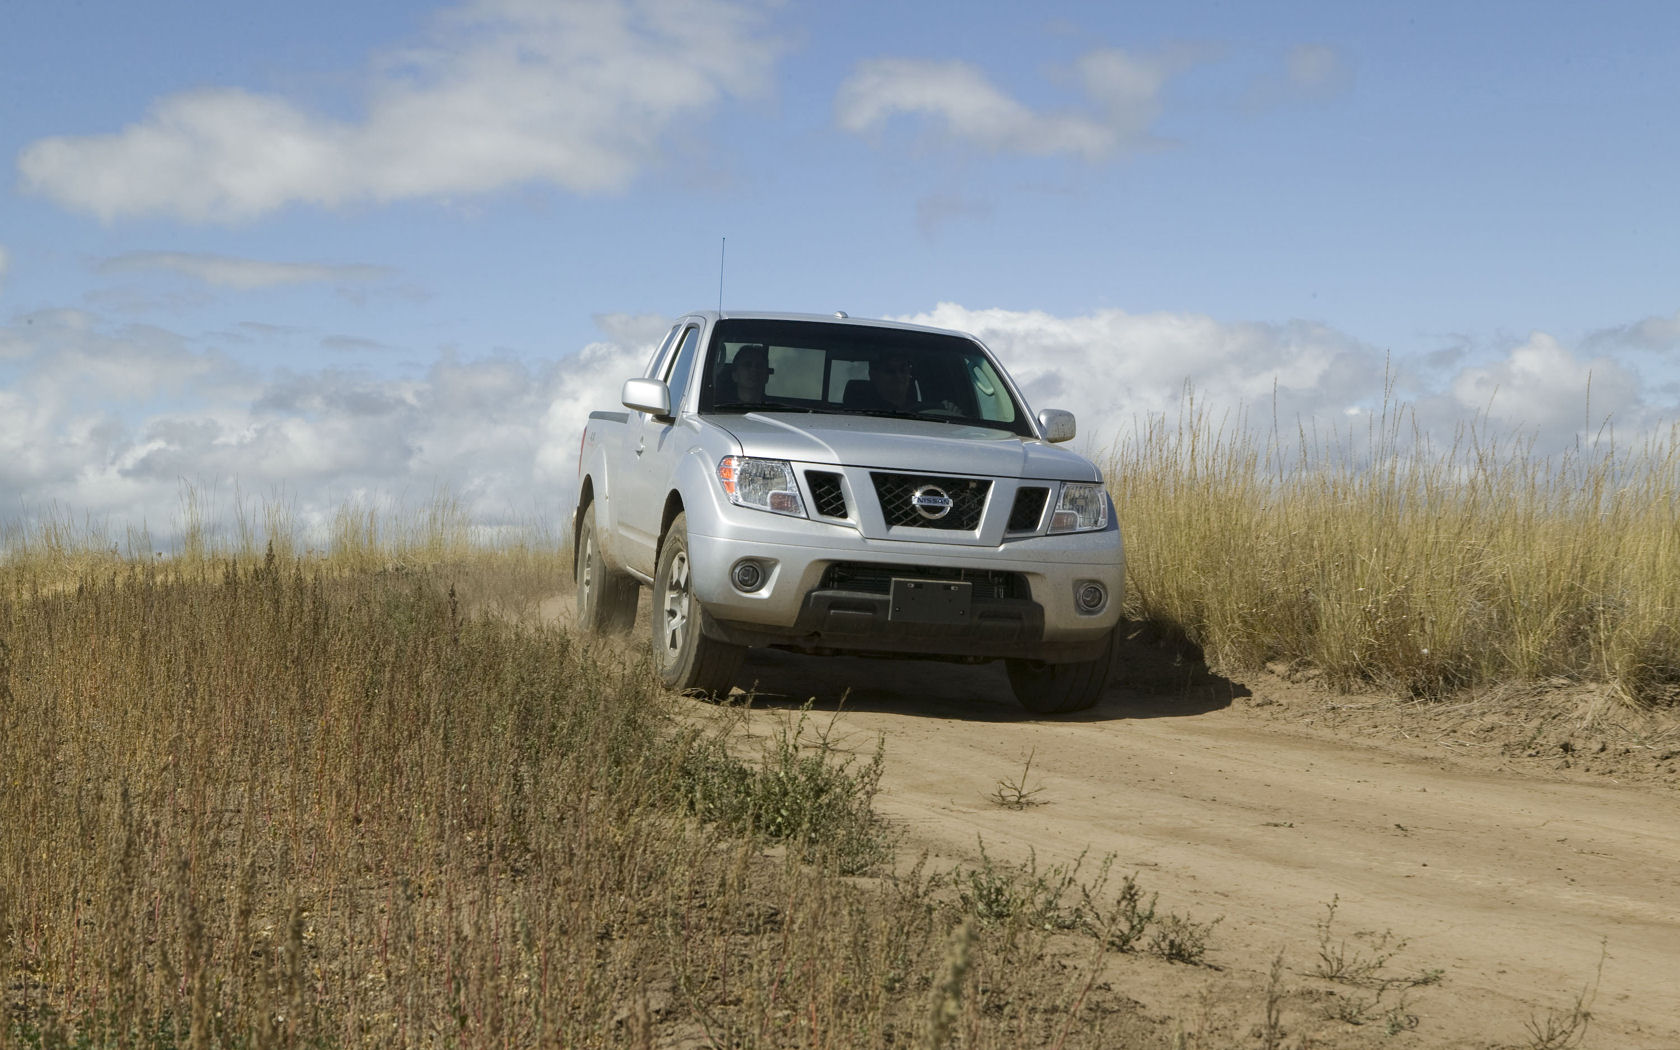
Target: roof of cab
<point>838,318</point>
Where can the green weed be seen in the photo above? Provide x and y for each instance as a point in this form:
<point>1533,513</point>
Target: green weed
<point>801,791</point>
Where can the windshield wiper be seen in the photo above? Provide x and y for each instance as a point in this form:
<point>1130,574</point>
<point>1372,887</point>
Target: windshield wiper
<point>899,413</point>
<point>757,406</point>
<point>958,421</point>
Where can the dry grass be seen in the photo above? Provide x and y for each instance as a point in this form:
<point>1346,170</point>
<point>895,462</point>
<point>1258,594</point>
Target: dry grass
<point>297,800</point>
<point>1375,558</point>
<point>285,804</point>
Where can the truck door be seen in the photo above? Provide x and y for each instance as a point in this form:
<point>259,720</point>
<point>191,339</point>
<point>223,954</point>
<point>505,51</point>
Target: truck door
<point>652,458</point>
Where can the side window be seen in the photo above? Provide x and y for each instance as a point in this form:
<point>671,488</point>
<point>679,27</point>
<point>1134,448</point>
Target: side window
<point>681,367</point>
<point>661,355</point>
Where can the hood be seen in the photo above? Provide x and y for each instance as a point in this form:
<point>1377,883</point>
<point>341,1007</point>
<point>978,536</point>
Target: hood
<point>884,443</point>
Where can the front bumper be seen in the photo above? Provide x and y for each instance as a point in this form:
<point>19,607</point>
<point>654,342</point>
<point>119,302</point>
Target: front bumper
<point>827,588</point>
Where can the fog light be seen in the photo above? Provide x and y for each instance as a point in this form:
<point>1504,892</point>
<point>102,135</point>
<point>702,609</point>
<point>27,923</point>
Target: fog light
<point>748,575</point>
<point>1090,596</point>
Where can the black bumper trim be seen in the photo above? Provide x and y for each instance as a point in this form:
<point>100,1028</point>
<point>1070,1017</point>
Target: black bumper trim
<point>856,622</point>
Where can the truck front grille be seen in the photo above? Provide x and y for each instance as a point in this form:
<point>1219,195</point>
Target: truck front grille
<point>896,491</point>
<point>871,578</point>
<point>826,493</point>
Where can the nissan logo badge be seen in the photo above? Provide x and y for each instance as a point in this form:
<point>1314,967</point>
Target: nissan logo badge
<point>931,502</point>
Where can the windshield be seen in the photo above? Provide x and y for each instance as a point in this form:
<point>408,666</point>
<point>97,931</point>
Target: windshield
<point>812,366</point>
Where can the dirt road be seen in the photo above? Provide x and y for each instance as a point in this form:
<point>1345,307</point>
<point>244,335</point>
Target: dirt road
<point>1515,885</point>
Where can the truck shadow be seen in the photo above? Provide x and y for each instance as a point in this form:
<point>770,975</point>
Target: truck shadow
<point>1152,679</point>
<point>1159,674</point>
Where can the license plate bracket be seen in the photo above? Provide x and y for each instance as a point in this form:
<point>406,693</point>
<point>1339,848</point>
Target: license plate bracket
<point>930,601</point>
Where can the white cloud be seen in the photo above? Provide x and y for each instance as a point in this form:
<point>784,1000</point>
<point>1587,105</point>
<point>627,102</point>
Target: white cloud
<point>350,344</point>
<point>1542,386</point>
<point>1126,88</point>
<point>1651,333</point>
<point>5,264</point>
<point>575,94</point>
<point>969,106</point>
<point>1122,100</point>
<point>111,424</point>
<point>242,274</point>
<point>1113,369</point>
<point>1658,333</point>
<point>632,329</point>
<point>1110,367</point>
<point>108,423</point>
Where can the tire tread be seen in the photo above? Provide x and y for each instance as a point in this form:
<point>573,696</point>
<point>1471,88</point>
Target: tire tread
<point>1058,689</point>
<point>614,609</point>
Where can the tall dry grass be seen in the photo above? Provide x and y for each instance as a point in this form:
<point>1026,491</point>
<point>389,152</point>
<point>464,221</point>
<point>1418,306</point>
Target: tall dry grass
<point>280,805</point>
<point>298,801</point>
<point>1376,557</point>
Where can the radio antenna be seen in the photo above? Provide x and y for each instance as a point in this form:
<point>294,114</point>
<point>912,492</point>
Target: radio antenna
<point>722,247</point>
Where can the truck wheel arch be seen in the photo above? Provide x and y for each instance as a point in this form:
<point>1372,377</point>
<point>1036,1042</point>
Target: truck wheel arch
<point>586,496</point>
<point>673,507</point>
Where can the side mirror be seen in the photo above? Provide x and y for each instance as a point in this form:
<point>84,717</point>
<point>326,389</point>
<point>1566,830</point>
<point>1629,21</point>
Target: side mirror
<point>1056,424</point>
<point>647,395</point>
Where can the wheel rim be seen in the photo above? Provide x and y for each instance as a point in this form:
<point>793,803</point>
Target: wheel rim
<point>676,603</point>
<point>586,569</point>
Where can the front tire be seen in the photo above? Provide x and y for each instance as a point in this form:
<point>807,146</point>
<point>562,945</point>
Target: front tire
<point>1057,689</point>
<point>606,600</point>
<point>684,657</point>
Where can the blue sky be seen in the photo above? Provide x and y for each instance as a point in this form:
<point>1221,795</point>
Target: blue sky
<point>329,253</point>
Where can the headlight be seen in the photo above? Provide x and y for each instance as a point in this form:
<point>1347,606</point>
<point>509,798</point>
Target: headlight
<point>764,484</point>
<point>1080,508</point>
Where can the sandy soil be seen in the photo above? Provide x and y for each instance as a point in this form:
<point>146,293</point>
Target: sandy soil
<point>1482,833</point>
<point>1525,842</point>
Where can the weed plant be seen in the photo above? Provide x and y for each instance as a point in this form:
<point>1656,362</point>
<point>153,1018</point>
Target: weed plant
<point>799,793</point>
<point>1381,558</point>
<point>1024,898</point>
<point>1015,794</point>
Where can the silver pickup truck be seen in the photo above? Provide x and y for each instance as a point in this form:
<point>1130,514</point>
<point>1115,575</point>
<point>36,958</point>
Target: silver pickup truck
<point>834,485</point>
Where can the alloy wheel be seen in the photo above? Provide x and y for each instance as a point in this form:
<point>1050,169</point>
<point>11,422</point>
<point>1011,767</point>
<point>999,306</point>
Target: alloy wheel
<point>676,603</point>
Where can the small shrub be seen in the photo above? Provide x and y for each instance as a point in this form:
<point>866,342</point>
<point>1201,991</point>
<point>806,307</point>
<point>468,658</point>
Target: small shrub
<point>1121,924</point>
<point>1338,962</point>
<point>1014,794</point>
<point>799,793</point>
<point>1022,896</point>
<point>1565,1029</point>
<point>1019,895</point>
<point>1177,938</point>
